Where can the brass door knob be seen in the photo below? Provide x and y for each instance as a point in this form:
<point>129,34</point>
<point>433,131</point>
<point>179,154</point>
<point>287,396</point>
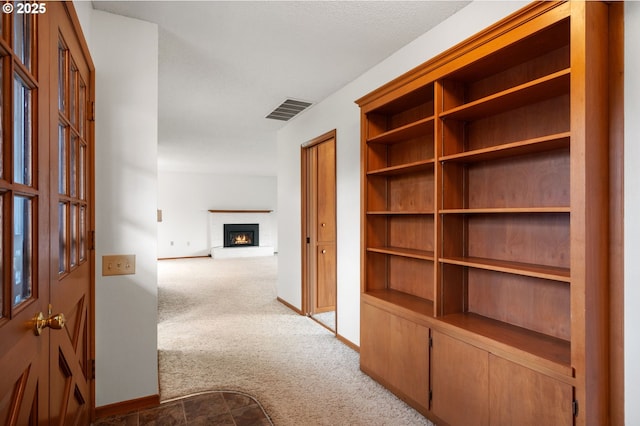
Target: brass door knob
<point>54,321</point>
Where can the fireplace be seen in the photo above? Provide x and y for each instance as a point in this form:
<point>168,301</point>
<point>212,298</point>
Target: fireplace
<point>241,235</point>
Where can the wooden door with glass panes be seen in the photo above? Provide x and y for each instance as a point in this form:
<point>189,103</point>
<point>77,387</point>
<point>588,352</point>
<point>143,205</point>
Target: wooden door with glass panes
<point>71,271</point>
<point>45,213</point>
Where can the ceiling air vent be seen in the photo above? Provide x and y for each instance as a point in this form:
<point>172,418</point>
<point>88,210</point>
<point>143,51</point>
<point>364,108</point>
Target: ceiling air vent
<point>288,109</point>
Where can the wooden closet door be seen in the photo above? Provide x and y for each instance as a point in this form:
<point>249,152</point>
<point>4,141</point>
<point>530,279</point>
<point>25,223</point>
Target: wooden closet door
<point>319,261</point>
<point>325,295</point>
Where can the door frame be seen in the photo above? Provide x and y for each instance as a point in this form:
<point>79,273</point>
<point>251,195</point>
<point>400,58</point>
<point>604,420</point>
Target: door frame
<point>308,256</point>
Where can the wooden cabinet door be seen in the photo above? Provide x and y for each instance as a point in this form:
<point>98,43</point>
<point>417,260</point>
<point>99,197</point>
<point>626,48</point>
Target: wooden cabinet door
<point>459,382</point>
<point>521,396</point>
<point>395,351</point>
<point>374,338</point>
<point>409,363</point>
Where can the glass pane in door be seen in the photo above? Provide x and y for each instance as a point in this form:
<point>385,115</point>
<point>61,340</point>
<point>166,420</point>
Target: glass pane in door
<point>22,37</point>
<point>62,238</point>
<point>22,131</point>
<point>83,234</point>
<point>82,106</point>
<point>62,159</point>
<point>82,166</point>
<point>22,249</point>
<point>73,88</point>
<point>73,161</point>
<point>74,235</point>
<point>62,75</point>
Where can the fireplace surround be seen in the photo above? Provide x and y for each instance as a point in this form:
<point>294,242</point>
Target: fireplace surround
<point>241,234</point>
<point>267,238</point>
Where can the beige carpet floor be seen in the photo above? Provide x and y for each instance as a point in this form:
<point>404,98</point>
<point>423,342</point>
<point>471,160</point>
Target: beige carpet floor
<point>220,327</point>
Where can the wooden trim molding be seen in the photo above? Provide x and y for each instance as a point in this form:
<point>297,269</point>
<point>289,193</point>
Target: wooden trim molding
<point>124,407</point>
<point>184,257</point>
<point>347,342</point>
<point>240,211</point>
<point>331,134</point>
<point>616,212</point>
<point>290,306</point>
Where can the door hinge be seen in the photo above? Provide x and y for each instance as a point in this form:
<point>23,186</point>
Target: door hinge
<point>430,395</point>
<point>92,240</point>
<point>308,240</point>
<point>430,342</point>
<point>575,408</point>
<point>93,369</point>
<point>92,111</point>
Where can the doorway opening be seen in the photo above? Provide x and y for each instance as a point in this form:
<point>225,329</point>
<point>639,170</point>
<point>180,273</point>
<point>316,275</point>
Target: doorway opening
<point>319,257</point>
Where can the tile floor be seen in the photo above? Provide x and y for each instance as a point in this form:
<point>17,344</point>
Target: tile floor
<point>212,408</point>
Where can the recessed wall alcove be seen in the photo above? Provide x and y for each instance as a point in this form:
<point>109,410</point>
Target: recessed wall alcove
<point>265,219</point>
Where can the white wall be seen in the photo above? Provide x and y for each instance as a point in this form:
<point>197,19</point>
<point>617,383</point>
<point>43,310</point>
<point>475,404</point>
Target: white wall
<point>125,53</point>
<point>84,10</point>
<point>632,212</point>
<point>186,198</point>
<point>340,112</point>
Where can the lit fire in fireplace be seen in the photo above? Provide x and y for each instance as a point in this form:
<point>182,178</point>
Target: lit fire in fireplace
<point>241,239</point>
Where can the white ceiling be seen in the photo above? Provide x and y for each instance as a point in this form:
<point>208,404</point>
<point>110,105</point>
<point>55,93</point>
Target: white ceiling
<point>225,65</point>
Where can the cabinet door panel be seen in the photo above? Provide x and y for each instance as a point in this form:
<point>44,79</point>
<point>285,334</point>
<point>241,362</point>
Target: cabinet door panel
<point>459,380</point>
<point>520,396</point>
<point>409,364</point>
<point>326,190</point>
<point>325,297</point>
<point>396,352</point>
<point>374,338</point>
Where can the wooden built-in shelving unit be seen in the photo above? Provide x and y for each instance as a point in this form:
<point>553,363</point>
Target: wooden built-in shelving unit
<point>484,188</point>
